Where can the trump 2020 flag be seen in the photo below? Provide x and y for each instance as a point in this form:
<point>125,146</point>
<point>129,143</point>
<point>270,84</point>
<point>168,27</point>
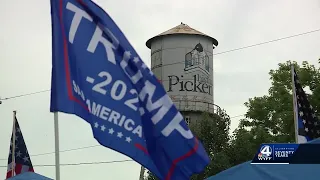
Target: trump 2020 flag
<point>98,76</point>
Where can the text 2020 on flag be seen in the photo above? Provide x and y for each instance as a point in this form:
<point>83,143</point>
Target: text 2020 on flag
<point>98,76</point>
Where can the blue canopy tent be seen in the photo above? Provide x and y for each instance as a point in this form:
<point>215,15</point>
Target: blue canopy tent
<point>266,172</point>
<point>29,176</point>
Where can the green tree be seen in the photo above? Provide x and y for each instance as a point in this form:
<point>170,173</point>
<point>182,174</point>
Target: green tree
<point>213,132</point>
<point>150,176</point>
<point>245,142</point>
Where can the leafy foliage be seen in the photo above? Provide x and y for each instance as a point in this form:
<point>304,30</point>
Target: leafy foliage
<point>244,143</point>
<point>150,176</point>
<point>213,132</point>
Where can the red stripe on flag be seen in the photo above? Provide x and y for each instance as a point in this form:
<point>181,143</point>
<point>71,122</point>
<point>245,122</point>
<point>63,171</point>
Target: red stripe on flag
<point>9,173</point>
<point>66,60</point>
<point>139,146</point>
<point>18,169</point>
<point>176,161</point>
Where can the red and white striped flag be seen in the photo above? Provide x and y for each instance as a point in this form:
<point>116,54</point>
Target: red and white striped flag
<point>19,160</point>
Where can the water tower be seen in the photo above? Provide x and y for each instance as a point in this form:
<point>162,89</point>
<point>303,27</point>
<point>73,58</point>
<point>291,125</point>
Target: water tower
<point>182,59</point>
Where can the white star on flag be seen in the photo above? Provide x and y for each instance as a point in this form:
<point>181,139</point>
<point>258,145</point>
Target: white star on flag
<point>136,59</point>
<point>26,159</point>
<point>120,134</point>
<point>18,154</point>
<point>111,131</point>
<point>127,54</point>
<point>301,113</point>
<point>128,139</point>
<point>103,128</point>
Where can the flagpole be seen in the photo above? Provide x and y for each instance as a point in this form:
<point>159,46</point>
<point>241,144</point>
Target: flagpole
<point>295,108</point>
<point>13,144</point>
<point>142,173</point>
<point>57,149</point>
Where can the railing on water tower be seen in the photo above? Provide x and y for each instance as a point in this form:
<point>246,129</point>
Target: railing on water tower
<point>197,105</point>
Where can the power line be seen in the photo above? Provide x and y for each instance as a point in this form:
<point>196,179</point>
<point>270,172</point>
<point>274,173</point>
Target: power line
<point>267,42</point>
<point>253,45</point>
<point>22,95</point>
<point>82,163</point>
<point>223,52</point>
<point>86,147</point>
<point>67,150</point>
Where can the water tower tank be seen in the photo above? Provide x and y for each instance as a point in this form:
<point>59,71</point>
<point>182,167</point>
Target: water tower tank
<point>182,59</point>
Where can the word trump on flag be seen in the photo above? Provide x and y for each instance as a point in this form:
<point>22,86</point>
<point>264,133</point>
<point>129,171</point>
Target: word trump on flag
<point>98,76</point>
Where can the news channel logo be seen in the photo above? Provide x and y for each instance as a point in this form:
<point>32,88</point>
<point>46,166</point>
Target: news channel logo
<point>265,153</point>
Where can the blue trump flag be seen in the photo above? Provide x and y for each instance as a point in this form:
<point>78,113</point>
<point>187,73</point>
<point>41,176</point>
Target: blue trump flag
<point>98,76</point>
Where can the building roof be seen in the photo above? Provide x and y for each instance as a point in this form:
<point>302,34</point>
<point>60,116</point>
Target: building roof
<point>181,29</point>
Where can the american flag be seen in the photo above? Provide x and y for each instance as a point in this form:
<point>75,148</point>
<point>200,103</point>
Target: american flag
<point>22,159</point>
<point>308,123</point>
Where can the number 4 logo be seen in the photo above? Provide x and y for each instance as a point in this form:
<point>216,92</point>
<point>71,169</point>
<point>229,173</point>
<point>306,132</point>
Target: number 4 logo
<point>266,150</point>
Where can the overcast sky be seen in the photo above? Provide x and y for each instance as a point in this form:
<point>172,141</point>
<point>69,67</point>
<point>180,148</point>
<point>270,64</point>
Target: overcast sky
<point>25,56</point>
